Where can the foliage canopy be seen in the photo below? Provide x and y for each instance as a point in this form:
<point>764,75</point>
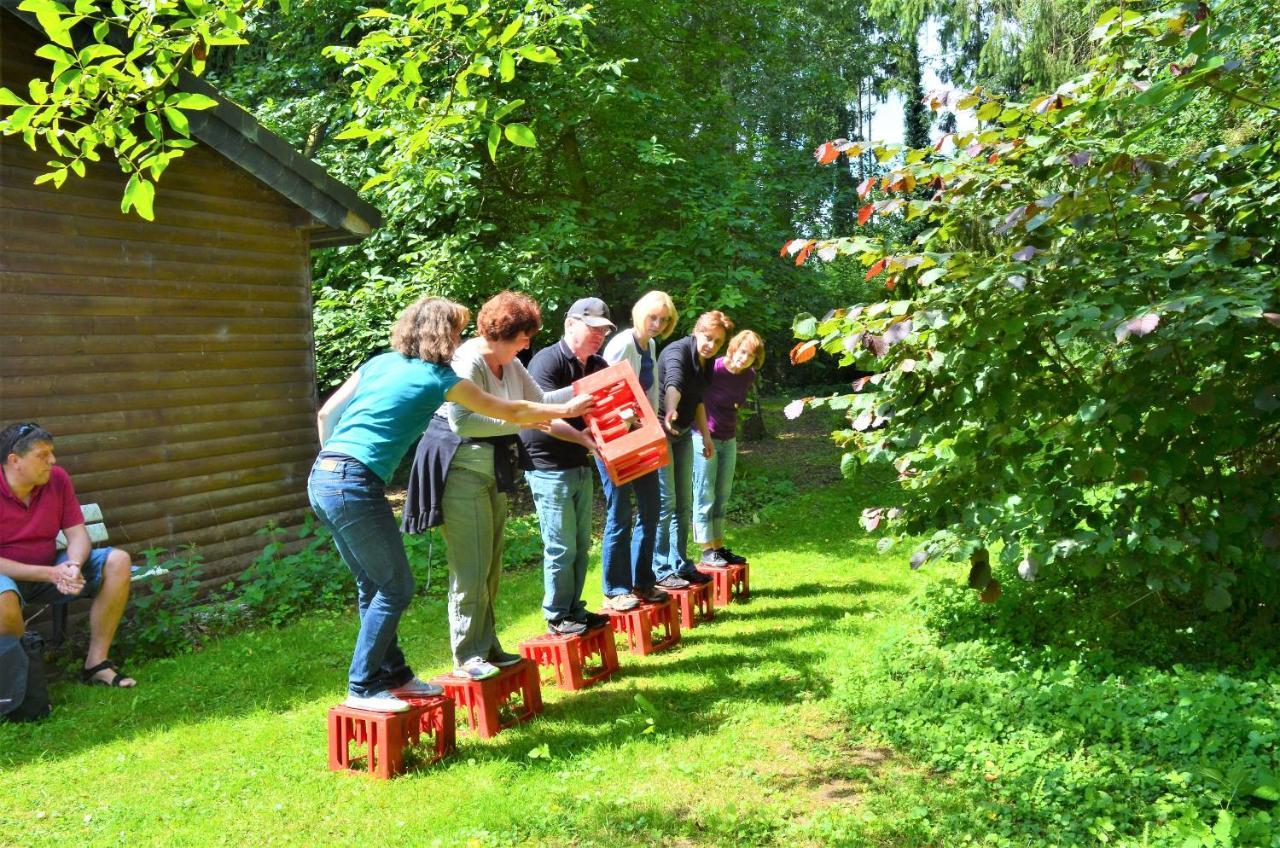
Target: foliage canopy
<point>1078,366</point>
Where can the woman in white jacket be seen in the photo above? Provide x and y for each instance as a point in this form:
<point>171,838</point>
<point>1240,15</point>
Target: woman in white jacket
<point>628,547</point>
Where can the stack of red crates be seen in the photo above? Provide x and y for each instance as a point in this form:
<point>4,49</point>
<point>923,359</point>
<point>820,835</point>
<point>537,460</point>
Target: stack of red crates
<point>631,439</point>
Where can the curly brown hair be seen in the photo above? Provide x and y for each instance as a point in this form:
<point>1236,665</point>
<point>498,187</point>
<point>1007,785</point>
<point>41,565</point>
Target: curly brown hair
<point>429,329</point>
<point>508,314</point>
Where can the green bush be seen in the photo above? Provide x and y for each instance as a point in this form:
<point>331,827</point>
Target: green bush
<point>1078,366</point>
<point>1077,748</point>
<point>162,615</point>
<point>279,586</point>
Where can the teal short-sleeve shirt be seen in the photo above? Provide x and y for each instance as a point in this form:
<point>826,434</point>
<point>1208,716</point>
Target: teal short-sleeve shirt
<point>394,400</point>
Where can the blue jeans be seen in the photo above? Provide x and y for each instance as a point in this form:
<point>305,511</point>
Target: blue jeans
<point>46,593</point>
<point>563,501</point>
<point>712,485</point>
<point>351,501</point>
<point>675,485</point>
<point>628,549</point>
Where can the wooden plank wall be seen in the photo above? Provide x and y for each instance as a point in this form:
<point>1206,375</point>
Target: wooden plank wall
<point>173,360</point>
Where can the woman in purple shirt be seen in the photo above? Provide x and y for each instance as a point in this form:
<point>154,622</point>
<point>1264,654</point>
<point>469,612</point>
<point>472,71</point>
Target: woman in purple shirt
<point>731,378</point>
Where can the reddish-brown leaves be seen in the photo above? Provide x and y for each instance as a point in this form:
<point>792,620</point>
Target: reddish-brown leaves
<point>1047,103</point>
<point>876,268</point>
<point>826,153</point>
<point>803,352</point>
<point>864,214</point>
<point>902,182</point>
<point>864,187</point>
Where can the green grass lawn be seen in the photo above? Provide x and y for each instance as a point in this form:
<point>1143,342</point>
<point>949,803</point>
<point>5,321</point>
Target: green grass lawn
<point>824,712</point>
<point>735,737</point>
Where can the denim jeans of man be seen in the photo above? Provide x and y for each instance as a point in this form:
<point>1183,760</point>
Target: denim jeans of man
<point>474,515</point>
<point>562,500</point>
<point>675,485</point>
<point>351,501</point>
<point>712,485</point>
<point>627,554</point>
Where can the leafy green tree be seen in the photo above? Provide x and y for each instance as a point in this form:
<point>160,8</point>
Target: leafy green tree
<point>110,86</point>
<point>1078,366</point>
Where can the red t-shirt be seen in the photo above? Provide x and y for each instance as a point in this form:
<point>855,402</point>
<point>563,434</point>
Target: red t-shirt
<point>28,532</point>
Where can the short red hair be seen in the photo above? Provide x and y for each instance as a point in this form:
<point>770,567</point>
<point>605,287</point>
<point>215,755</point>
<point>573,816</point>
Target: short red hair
<point>508,314</point>
<point>712,320</point>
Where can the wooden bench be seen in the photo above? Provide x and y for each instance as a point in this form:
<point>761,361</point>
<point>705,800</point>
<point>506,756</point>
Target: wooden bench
<point>97,528</point>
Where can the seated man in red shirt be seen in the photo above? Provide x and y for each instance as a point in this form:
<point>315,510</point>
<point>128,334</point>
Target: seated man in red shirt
<point>36,501</point>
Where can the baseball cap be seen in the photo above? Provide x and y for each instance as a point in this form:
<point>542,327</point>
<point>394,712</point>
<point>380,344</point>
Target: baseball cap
<point>593,311</point>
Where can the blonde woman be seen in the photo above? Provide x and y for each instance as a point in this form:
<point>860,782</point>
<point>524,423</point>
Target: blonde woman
<point>365,429</point>
<point>731,379</point>
<point>627,557</point>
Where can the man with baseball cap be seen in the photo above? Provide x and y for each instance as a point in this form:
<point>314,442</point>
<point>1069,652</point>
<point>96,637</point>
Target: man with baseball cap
<point>560,473</point>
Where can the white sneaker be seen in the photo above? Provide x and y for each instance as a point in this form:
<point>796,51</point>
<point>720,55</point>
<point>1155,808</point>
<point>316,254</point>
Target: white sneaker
<point>378,702</point>
<point>416,688</point>
<point>622,603</point>
<point>476,669</point>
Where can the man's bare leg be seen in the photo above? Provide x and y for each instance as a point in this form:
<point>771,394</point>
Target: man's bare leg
<point>104,615</point>
<point>11,623</point>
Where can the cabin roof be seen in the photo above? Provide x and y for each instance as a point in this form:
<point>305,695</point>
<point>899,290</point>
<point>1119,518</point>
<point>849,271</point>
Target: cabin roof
<point>341,216</point>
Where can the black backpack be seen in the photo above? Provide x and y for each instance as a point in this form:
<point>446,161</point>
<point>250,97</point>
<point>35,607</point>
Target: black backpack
<point>24,692</point>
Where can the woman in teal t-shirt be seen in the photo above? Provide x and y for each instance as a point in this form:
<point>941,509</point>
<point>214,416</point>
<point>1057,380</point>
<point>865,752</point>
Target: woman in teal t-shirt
<point>366,428</point>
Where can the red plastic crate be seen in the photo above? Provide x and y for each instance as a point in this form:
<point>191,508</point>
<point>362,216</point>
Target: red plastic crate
<point>631,439</point>
<point>732,583</point>
<point>695,604</point>
<point>481,701</point>
<point>570,656</point>
<point>639,625</point>
<point>385,735</point>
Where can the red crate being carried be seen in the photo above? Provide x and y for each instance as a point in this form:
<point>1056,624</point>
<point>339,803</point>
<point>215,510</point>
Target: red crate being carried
<point>631,439</point>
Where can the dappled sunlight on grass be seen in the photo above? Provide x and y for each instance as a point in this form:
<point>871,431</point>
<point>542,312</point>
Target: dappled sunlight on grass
<point>734,737</point>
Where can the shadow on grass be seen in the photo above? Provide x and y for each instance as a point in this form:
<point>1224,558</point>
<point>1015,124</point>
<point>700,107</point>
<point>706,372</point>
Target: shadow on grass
<point>261,670</point>
<point>283,670</point>
<point>610,714</point>
<point>836,588</point>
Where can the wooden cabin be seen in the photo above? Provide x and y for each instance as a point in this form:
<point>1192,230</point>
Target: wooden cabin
<point>174,360</point>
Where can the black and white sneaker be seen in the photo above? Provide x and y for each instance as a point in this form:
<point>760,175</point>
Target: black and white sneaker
<point>592,619</point>
<point>713,558</point>
<point>695,576</point>
<point>652,595</point>
<point>673,582</point>
<point>566,627</point>
<point>502,659</point>
<point>732,558</point>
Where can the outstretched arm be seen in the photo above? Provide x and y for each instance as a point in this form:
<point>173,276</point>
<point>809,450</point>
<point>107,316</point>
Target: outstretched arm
<point>474,398</point>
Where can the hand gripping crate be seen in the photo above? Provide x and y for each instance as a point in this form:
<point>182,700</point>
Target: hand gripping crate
<point>631,440</point>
